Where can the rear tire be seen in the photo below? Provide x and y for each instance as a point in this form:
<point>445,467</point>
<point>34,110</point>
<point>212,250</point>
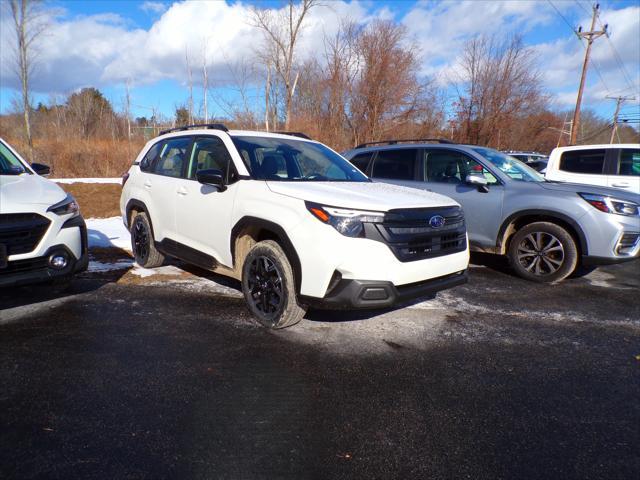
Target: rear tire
<point>543,252</point>
<point>269,286</point>
<point>142,242</point>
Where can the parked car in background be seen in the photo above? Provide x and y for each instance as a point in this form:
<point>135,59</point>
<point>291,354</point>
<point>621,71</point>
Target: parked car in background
<point>615,166</point>
<point>535,160</point>
<point>291,219</point>
<point>43,238</point>
<point>547,229</point>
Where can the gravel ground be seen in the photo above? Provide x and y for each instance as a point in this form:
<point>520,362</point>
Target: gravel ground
<point>163,374</point>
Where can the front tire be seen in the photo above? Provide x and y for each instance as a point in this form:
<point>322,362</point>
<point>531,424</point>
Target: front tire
<point>543,252</point>
<point>142,242</point>
<point>269,286</point>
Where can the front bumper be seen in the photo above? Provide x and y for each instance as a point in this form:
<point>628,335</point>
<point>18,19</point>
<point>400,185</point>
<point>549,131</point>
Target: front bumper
<point>32,270</point>
<point>369,294</point>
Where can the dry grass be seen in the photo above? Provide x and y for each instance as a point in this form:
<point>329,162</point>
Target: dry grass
<point>80,158</point>
<point>96,200</point>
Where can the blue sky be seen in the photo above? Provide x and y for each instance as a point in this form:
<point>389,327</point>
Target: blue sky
<point>107,43</point>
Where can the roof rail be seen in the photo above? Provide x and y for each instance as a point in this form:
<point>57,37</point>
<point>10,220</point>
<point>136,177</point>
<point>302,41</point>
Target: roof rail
<point>212,126</point>
<point>295,134</point>
<point>411,140</point>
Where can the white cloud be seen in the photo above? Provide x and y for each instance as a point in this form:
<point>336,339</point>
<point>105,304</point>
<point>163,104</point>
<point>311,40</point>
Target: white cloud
<point>103,50</point>
<point>153,7</point>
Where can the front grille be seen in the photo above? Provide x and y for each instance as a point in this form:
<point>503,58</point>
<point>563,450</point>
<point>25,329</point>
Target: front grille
<point>26,265</point>
<point>410,237</point>
<point>21,232</point>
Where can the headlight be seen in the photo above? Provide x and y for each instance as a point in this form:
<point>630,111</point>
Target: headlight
<point>65,207</point>
<point>346,221</point>
<point>611,205</point>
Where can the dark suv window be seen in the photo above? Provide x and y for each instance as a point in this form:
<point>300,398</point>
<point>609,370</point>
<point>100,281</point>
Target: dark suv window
<point>362,161</point>
<point>583,161</point>
<point>450,166</point>
<point>629,162</point>
<point>209,153</point>
<point>172,157</point>
<point>397,164</point>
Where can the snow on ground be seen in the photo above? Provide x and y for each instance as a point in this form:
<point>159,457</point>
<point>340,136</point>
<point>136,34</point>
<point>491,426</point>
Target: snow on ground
<point>108,232</point>
<point>86,180</point>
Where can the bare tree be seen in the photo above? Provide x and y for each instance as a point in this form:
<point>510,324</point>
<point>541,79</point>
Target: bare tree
<point>499,83</point>
<point>29,24</point>
<point>281,29</point>
<point>190,80</point>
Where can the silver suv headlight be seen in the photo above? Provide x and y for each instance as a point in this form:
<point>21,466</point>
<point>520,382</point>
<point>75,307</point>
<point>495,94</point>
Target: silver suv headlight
<point>65,207</point>
<point>608,204</point>
<point>347,221</point>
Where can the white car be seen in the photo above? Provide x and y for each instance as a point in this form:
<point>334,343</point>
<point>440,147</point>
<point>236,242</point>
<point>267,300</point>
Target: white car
<point>615,165</point>
<point>43,238</point>
<point>291,219</point>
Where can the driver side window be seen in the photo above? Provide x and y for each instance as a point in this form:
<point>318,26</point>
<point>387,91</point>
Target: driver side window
<point>209,153</point>
<point>449,166</point>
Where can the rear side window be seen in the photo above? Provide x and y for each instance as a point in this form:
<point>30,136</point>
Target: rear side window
<point>172,157</point>
<point>629,162</point>
<point>397,164</point>
<point>583,161</point>
<point>362,161</point>
<point>146,164</point>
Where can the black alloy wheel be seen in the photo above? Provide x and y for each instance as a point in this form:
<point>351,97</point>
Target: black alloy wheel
<point>141,240</point>
<point>265,286</point>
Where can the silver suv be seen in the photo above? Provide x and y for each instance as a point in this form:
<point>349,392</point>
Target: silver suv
<point>547,229</point>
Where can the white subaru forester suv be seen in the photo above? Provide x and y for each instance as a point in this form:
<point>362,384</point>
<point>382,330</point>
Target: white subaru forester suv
<point>291,219</point>
<point>43,238</point>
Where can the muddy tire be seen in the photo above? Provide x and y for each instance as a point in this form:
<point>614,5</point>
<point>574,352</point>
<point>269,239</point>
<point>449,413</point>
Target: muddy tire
<point>142,242</point>
<point>543,252</point>
<point>268,285</point>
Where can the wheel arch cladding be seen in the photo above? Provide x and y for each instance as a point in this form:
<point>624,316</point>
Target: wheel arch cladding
<point>260,229</point>
<point>134,205</point>
<point>517,220</point>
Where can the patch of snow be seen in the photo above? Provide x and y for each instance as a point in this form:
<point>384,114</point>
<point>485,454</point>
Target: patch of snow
<point>86,180</point>
<point>148,272</point>
<point>108,232</point>
<point>95,266</point>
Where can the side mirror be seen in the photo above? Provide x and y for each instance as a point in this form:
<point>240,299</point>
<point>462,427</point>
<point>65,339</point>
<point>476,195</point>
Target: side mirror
<point>479,181</point>
<point>41,169</point>
<point>211,177</point>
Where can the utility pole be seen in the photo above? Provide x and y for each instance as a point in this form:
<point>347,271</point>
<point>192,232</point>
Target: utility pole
<point>619,100</point>
<point>591,35</point>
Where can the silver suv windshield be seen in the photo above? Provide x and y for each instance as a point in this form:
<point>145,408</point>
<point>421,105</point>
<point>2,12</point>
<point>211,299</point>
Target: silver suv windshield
<point>515,169</point>
<point>278,159</point>
<point>9,163</point>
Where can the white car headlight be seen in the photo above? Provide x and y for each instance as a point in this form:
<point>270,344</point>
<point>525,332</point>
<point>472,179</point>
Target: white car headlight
<point>611,205</point>
<point>65,207</point>
<point>346,221</point>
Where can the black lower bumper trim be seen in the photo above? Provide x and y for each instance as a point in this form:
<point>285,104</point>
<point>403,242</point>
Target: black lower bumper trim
<point>595,261</point>
<point>362,294</point>
<point>37,270</point>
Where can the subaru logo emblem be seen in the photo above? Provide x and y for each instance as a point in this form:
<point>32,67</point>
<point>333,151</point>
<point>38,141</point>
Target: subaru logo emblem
<point>436,221</point>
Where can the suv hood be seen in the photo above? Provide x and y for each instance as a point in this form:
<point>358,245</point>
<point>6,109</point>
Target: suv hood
<point>582,188</point>
<point>373,196</point>
<point>26,189</point>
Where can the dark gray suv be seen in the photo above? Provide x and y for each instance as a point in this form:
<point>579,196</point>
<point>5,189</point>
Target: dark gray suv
<point>547,229</point>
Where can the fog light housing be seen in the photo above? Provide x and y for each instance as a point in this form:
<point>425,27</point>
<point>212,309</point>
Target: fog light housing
<point>59,260</point>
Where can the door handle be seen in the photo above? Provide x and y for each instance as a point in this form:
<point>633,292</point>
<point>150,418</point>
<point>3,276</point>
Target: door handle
<point>620,184</point>
<point>182,191</point>
<point>147,184</point>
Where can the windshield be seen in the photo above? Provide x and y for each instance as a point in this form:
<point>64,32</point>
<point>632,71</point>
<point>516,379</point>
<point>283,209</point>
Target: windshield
<point>9,163</point>
<point>280,159</point>
<point>515,169</point>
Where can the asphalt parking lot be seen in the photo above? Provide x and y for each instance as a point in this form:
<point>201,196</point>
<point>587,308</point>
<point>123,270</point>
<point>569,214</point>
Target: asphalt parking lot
<point>167,376</point>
